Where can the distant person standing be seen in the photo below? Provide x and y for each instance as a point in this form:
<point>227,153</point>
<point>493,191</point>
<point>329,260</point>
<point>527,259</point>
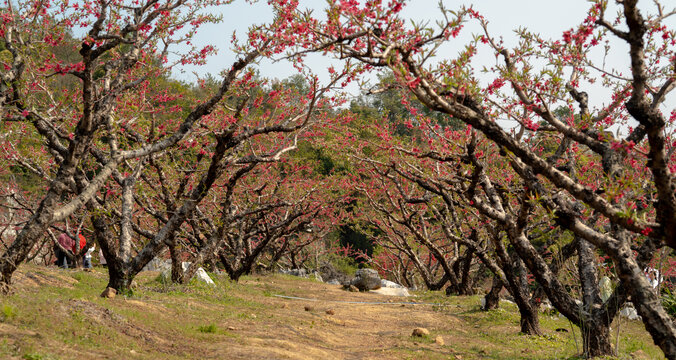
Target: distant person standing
<point>102,259</point>
<point>67,244</point>
<point>88,257</point>
<point>78,249</point>
<point>83,243</point>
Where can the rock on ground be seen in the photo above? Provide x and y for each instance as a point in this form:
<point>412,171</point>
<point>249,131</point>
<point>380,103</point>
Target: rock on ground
<point>606,288</point>
<point>420,332</point>
<point>390,284</point>
<point>366,279</point>
<point>391,291</point>
<point>630,313</point>
<point>157,264</point>
<point>109,293</point>
<point>332,275</point>
<point>295,272</point>
<point>201,275</point>
<point>303,273</point>
<point>317,276</point>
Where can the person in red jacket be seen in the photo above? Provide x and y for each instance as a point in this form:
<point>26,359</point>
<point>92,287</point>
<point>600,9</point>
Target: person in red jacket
<point>69,244</point>
<point>83,243</point>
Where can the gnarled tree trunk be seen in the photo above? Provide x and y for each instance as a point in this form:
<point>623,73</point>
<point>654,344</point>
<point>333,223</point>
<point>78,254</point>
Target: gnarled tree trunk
<point>492,298</point>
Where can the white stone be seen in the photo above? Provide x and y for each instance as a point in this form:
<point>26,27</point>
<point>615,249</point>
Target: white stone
<point>391,291</point>
<point>629,313</point>
<point>202,276</point>
<point>295,272</point>
<point>606,287</point>
<point>390,284</point>
<point>317,276</point>
<point>157,264</point>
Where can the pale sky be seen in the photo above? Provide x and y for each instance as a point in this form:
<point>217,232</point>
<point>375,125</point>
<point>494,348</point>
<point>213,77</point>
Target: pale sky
<point>547,17</point>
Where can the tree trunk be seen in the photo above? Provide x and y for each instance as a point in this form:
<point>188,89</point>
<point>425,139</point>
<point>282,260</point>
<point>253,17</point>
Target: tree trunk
<point>244,268</point>
<point>439,284</point>
<point>24,242</point>
<point>492,298</point>
<point>176,265</point>
<point>211,265</point>
<point>647,303</point>
<point>515,274</point>
<point>406,277</point>
<point>595,332</point>
<point>230,268</point>
<point>596,340</point>
<point>465,286</point>
<point>118,278</point>
<point>294,264</point>
<point>204,257</point>
<point>530,322</point>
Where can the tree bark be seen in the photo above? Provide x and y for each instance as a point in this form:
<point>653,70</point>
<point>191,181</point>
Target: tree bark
<point>595,334</point>
<point>466,284</point>
<point>118,277</point>
<point>648,304</point>
<point>530,322</point>
<point>28,236</point>
<point>492,298</point>
<point>596,340</point>
<point>514,269</point>
<point>176,263</point>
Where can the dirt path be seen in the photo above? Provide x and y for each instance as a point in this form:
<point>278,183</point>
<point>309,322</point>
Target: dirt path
<point>348,331</point>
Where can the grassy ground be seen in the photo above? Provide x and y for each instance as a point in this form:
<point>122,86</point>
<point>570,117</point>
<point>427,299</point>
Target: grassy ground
<point>58,314</point>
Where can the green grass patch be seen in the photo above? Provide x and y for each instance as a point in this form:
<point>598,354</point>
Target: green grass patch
<point>37,356</point>
<point>7,313</point>
<point>208,329</point>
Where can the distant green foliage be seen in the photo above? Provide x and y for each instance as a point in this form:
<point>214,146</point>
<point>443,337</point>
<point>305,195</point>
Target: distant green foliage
<point>669,301</point>
<point>343,264</point>
<point>26,179</point>
<point>388,104</point>
<point>357,240</point>
<point>322,162</point>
